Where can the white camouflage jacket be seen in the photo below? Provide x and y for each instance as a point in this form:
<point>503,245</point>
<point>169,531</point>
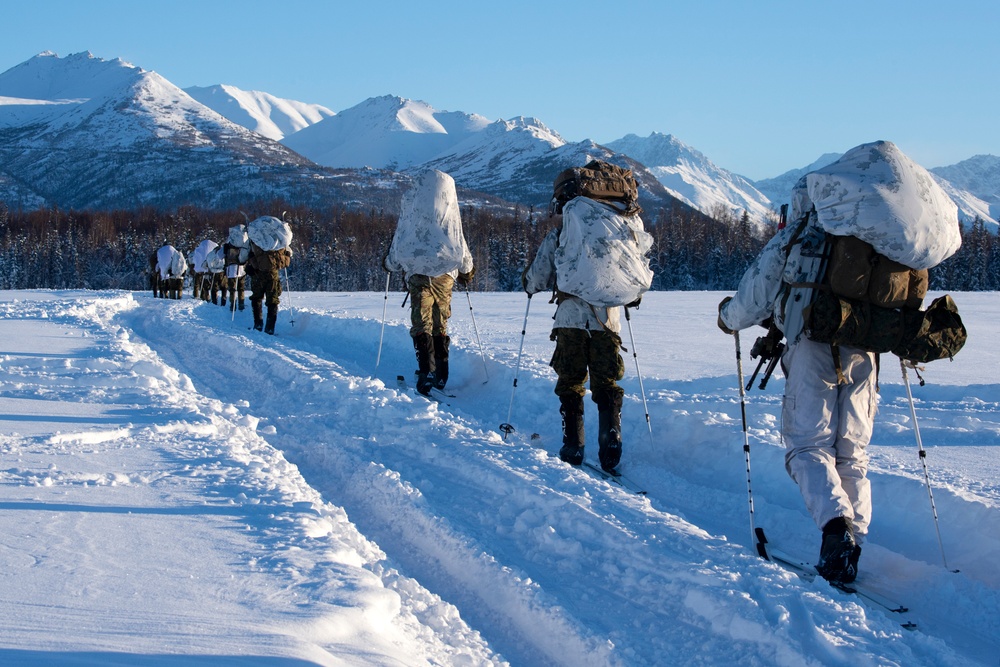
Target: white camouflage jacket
<point>793,257</point>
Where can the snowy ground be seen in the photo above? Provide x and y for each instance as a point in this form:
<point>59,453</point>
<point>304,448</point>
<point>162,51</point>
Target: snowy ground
<point>178,490</point>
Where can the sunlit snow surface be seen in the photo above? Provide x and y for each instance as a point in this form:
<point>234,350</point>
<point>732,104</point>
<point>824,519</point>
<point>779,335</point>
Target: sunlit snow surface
<point>176,489</point>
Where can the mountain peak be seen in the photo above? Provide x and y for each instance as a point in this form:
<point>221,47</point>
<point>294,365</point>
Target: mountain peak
<point>82,75</point>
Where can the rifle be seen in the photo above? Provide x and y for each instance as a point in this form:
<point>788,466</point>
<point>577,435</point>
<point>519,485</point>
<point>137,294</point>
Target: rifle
<point>769,348</point>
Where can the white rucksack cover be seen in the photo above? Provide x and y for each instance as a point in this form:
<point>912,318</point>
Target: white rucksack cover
<point>215,260</point>
<point>879,195</point>
<point>201,253</point>
<point>601,256</point>
<point>269,233</point>
<point>170,262</point>
<point>238,236</point>
<point>429,239</point>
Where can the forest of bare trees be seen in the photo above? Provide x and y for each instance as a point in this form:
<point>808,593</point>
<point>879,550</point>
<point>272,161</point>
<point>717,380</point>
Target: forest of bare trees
<point>341,250</point>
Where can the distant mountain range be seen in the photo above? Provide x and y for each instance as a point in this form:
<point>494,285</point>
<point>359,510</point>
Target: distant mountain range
<point>85,132</point>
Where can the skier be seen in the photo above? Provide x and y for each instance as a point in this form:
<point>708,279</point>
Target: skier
<point>830,392</point>
<point>237,251</point>
<point>202,275</point>
<point>215,279</point>
<point>154,275</point>
<point>429,248</point>
<point>269,254</point>
<point>587,326</point>
<point>171,266</point>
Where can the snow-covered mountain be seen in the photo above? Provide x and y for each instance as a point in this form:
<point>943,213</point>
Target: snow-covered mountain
<point>977,181</point>
<point>266,114</point>
<point>85,132</point>
<point>693,178</point>
<point>514,159</point>
<point>385,132</point>
<point>778,190</point>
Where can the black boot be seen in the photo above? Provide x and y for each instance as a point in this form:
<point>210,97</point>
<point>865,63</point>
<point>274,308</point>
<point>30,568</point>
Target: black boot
<point>242,305</point>
<point>571,409</point>
<point>424,348</point>
<point>609,435</point>
<point>836,550</point>
<point>441,344</point>
<point>852,566</point>
<point>272,318</point>
<point>258,315</point>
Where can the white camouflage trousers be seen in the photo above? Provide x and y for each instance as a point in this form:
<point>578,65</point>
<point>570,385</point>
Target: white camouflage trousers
<point>826,428</point>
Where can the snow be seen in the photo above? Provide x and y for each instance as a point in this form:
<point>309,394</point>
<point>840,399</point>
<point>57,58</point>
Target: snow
<point>176,489</point>
<point>694,179</point>
<point>265,114</point>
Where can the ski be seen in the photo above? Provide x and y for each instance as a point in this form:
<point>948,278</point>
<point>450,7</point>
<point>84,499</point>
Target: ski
<point>616,478</point>
<point>436,395</point>
<point>808,572</point>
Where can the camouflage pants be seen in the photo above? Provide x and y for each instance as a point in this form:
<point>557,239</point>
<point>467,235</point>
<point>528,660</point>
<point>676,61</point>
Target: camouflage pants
<point>235,287</point>
<point>196,285</point>
<point>266,287</point>
<point>210,284</point>
<point>579,351</point>
<point>172,288</point>
<point>430,304</point>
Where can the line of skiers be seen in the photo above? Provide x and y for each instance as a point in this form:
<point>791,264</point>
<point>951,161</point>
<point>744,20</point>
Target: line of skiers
<point>594,263</point>
<point>894,223</point>
<point>258,249</point>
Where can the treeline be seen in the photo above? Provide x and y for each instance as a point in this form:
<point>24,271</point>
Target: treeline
<point>341,249</point>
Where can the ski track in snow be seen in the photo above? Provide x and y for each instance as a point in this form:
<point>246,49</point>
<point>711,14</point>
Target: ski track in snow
<point>547,564</point>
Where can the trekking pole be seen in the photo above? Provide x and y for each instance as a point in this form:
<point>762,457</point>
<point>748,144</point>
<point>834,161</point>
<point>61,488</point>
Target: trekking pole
<point>291,311</point>
<point>642,390</point>
<point>507,428</point>
<point>754,539</point>
<point>476,329</point>
<point>385,302</point>
<point>232,294</point>
<point>923,462</point>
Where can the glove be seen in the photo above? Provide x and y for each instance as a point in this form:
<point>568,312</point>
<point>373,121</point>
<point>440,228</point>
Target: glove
<point>385,263</point>
<point>722,325</point>
<point>524,280</point>
<point>634,304</point>
<point>466,278</point>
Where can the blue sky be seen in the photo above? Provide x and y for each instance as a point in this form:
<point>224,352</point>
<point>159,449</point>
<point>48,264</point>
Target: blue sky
<point>758,87</point>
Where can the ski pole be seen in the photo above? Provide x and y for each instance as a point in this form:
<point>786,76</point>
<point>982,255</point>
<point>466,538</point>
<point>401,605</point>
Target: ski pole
<point>642,390</point>
<point>476,329</point>
<point>746,447</point>
<point>507,428</point>
<point>923,461</point>
<point>232,295</point>
<point>385,302</point>
<point>288,288</point>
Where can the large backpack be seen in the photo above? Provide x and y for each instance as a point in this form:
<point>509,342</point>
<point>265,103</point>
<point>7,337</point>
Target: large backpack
<point>601,255</point>
<point>429,240</point>
<point>269,233</point>
<point>869,301</point>
<point>598,180</point>
<point>884,217</point>
<point>238,245</point>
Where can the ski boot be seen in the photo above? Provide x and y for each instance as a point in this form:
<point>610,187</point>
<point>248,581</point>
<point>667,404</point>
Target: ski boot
<point>571,409</point>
